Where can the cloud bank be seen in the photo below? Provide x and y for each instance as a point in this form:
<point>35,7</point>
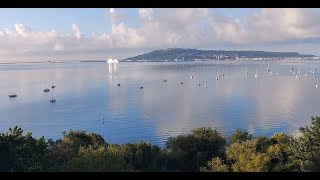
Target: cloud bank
<point>269,29</point>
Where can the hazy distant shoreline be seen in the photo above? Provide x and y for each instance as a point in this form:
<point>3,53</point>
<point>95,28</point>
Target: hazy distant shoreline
<point>146,61</point>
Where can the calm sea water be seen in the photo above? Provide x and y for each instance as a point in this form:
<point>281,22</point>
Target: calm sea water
<point>88,98</point>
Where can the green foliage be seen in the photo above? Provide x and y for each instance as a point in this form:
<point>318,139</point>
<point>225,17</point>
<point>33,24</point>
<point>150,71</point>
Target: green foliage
<point>142,156</point>
<point>189,152</point>
<point>306,149</point>
<point>20,152</point>
<point>262,144</point>
<point>279,152</point>
<point>245,158</point>
<point>99,159</point>
<point>204,149</point>
<point>67,148</point>
<point>240,136</point>
<point>215,165</point>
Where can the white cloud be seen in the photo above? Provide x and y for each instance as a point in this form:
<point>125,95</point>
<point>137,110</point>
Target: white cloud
<point>269,29</point>
<point>115,15</point>
<point>22,30</point>
<point>146,13</point>
<point>76,30</point>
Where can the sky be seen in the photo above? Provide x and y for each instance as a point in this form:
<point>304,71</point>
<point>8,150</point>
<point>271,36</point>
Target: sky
<point>102,33</point>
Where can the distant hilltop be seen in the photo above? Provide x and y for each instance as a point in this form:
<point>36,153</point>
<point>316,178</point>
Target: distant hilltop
<point>180,54</point>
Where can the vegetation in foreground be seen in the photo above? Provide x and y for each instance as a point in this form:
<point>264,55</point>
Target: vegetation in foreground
<point>204,149</point>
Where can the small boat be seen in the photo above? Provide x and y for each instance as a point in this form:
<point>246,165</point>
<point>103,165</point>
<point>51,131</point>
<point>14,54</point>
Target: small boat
<point>12,95</point>
<point>164,80</point>
<point>141,87</point>
<point>118,84</point>
<point>181,83</point>
<point>53,86</point>
<point>45,88</point>
<point>52,100</point>
<point>191,77</point>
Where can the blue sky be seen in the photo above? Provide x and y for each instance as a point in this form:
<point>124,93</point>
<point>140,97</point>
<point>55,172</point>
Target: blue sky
<point>60,19</point>
<point>97,33</point>
<point>90,19</point>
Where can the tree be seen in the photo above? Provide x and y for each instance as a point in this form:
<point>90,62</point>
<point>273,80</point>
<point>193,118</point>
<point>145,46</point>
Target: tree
<point>142,156</point>
<point>245,158</point>
<point>67,148</point>
<point>99,159</point>
<point>262,144</point>
<point>20,152</point>
<point>215,165</point>
<point>279,152</point>
<point>240,136</point>
<point>189,152</point>
<point>306,149</point>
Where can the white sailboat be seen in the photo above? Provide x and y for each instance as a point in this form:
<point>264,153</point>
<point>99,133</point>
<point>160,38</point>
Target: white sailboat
<point>256,75</point>
<point>52,100</point>
<point>317,85</point>
<point>246,70</point>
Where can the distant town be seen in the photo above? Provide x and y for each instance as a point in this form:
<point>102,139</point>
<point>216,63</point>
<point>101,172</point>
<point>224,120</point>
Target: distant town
<point>179,54</point>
